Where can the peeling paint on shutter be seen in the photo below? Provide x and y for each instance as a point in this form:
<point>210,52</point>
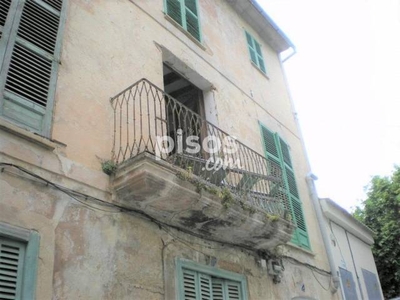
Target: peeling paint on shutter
<point>11,266</point>
<point>29,75</point>
<point>31,72</point>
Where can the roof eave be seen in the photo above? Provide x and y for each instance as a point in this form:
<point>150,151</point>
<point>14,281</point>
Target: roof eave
<point>258,19</point>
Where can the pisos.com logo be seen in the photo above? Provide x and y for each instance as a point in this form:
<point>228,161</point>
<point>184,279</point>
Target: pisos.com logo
<point>221,152</point>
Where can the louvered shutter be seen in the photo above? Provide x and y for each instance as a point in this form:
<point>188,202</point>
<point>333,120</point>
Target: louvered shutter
<point>259,57</point>
<point>205,292</point>
<point>233,290</point>
<point>250,44</point>
<point>278,152</point>
<point>174,10</point>
<point>34,49</point>
<point>192,19</point>
<point>255,52</point>
<point>300,237</point>
<point>273,156</point>
<point>5,6</point>
<point>185,13</point>
<point>218,289</point>
<point>11,266</point>
<point>189,285</point>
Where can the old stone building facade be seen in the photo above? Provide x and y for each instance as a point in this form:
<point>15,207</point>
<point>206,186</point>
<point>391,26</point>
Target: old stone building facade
<point>89,87</point>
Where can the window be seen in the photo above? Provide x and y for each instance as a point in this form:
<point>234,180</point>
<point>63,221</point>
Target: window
<point>30,38</point>
<point>255,53</point>
<point>197,282</point>
<point>185,13</point>
<point>18,262</point>
<point>278,152</point>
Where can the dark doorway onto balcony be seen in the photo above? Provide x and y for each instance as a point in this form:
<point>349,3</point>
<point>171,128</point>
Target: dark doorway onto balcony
<point>183,91</point>
<point>186,119</point>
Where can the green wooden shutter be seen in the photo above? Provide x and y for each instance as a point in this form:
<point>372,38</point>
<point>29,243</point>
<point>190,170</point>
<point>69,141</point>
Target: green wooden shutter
<point>174,10</point>
<point>196,286</point>
<point>185,13</point>
<point>233,290</point>
<point>300,237</point>
<point>273,156</point>
<point>252,51</point>
<point>205,292</point>
<point>218,291</point>
<point>31,62</point>
<point>278,152</point>
<point>255,52</point>
<point>192,19</point>
<point>7,13</point>
<point>12,255</point>
<point>4,9</point>
<point>189,285</point>
<point>223,289</point>
<point>260,59</point>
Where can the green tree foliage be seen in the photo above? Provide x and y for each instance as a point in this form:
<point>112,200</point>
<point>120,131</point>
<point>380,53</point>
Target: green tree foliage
<point>381,212</point>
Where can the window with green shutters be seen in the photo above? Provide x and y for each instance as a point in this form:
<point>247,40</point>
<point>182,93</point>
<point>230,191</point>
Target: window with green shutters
<point>255,52</point>
<point>186,14</point>
<point>19,249</point>
<point>277,151</point>
<point>12,255</point>
<point>198,282</point>
<point>30,43</point>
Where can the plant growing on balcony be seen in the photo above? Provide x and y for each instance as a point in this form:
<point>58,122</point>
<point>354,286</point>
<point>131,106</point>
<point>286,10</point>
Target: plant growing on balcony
<point>109,167</point>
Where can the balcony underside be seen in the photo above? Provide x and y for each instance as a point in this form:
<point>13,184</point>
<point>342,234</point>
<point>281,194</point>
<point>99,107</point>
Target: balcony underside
<point>159,190</point>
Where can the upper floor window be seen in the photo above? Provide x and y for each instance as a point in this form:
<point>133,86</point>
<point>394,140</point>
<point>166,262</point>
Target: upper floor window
<point>186,14</point>
<point>30,38</point>
<point>255,52</point>
<point>278,152</point>
<point>198,282</point>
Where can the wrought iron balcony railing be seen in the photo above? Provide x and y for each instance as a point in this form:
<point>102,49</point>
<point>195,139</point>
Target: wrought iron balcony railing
<point>146,119</point>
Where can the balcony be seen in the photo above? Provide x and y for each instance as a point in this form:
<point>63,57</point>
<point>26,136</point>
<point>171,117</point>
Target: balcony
<point>183,171</point>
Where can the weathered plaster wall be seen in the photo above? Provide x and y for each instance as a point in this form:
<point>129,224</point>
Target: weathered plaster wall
<point>107,46</point>
<point>92,254</point>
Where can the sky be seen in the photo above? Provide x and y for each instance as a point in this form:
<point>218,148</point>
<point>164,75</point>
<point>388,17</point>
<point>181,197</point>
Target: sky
<point>345,84</point>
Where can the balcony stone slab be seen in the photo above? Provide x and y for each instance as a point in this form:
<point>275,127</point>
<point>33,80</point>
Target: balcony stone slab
<point>152,187</point>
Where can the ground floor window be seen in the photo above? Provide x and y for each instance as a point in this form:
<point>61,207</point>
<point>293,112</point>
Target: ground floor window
<point>199,282</point>
<point>18,262</point>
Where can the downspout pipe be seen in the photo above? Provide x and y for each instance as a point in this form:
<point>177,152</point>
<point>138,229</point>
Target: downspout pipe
<point>325,236</point>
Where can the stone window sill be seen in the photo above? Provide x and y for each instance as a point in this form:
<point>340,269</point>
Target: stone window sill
<point>29,136</point>
<point>309,252</point>
<point>258,69</point>
<point>173,22</point>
